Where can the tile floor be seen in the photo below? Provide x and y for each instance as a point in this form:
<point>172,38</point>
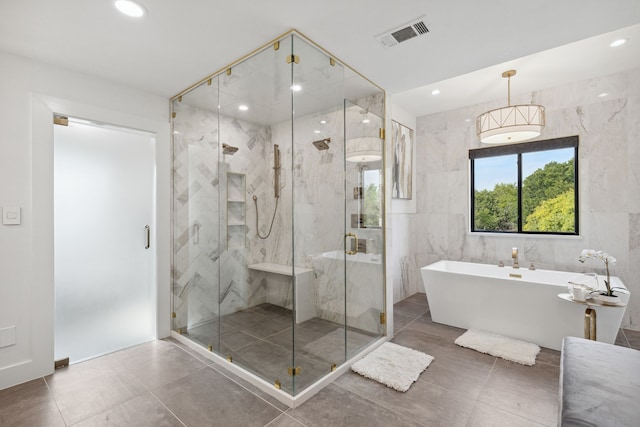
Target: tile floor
<point>260,338</point>
<point>162,384</point>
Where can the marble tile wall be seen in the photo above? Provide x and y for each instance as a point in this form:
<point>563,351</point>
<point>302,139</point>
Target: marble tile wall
<point>200,192</point>
<point>609,185</point>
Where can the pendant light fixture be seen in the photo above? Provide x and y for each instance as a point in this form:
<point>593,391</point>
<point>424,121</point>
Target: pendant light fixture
<point>366,148</point>
<point>513,123</point>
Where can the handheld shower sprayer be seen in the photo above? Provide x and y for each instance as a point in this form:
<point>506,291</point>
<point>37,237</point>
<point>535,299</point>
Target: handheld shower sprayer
<point>276,191</point>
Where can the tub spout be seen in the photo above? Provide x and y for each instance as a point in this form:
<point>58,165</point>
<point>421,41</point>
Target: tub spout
<point>532,267</point>
<point>514,255</point>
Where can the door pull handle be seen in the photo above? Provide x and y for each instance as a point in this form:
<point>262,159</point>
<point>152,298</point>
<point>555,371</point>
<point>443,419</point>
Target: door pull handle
<point>147,231</point>
<point>355,237</point>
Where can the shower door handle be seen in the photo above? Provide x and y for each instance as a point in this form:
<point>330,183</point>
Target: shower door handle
<point>147,232</point>
<point>355,237</point>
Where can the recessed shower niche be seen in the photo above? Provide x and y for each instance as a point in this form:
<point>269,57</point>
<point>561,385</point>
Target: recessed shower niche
<point>268,274</point>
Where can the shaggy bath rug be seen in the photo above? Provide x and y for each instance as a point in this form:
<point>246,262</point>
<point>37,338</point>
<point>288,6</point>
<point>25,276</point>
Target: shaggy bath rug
<point>393,365</point>
<point>500,346</point>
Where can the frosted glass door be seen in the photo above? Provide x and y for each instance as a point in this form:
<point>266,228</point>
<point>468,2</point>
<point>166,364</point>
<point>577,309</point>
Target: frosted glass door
<point>103,196</point>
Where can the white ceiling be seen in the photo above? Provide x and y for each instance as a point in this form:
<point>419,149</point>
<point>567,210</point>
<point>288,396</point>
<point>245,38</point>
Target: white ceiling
<point>181,42</point>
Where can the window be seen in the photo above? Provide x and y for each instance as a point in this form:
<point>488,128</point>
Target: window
<point>530,187</point>
<point>371,202</point>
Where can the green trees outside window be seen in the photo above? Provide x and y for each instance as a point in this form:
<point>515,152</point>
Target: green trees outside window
<point>526,188</point>
<point>372,198</point>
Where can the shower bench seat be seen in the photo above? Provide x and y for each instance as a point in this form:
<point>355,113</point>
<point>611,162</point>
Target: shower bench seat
<point>279,279</point>
<point>285,270</point>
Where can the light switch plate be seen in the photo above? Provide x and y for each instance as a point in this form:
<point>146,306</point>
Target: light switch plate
<point>11,215</point>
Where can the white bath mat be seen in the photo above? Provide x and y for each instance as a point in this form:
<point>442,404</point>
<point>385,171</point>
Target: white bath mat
<point>393,365</point>
<point>500,346</point>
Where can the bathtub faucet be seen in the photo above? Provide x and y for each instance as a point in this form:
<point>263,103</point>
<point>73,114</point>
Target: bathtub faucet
<point>514,255</point>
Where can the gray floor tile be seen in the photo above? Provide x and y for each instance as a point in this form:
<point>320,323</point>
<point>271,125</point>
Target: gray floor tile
<point>270,310</point>
<point>357,340</point>
<point>250,387</point>
<point>206,397</point>
<point>326,348</point>
<point>540,376</point>
<point>205,333</point>
<point>407,308</point>
<point>90,388</point>
<point>424,324</point>
<point>244,318</point>
<point>319,325</point>
<point>187,350</point>
<point>457,377</point>
<point>334,406</point>
<point>272,362</point>
<point>488,416</point>
<point>29,404</point>
<point>284,420</point>
<point>400,321</point>
<point>157,363</point>
<point>527,391</point>
<point>549,356</point>
<point>233,341</point>
<point>419,298</point>
<point>633,337</point>
<point>22,394</point>
<point>621,339</point>
<point>143,411</point>
<point>269,326</point>
<point>425,403</point>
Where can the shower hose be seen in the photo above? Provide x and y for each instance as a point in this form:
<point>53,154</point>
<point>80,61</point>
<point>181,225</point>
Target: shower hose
<point>255,201</point>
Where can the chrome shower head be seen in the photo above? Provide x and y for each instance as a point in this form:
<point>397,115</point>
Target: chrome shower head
<point>228,149</point>
<point>322,144</point>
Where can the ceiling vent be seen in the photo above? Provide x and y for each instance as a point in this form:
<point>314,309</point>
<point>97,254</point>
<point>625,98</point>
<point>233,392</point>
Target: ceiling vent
<point>403,33</point>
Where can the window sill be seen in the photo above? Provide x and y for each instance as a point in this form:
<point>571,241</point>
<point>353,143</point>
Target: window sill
<point>526,235</point>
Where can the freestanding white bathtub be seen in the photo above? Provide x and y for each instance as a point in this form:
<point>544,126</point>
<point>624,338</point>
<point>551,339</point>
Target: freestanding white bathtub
<point>495,299</point>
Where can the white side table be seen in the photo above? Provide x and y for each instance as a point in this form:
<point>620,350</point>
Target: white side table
<point>590,313</point>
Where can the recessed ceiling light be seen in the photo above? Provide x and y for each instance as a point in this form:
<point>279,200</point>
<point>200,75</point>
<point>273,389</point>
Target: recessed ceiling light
<point>243,107</point>
<point>467,120</point>
<point>365,120</point>
<point>322,122</point>
<point>618,42</point>
<point>316,131</point>
<point>130,8</point>
<point>603,94</point>
<point>296,88</point>
<point>435,92</point>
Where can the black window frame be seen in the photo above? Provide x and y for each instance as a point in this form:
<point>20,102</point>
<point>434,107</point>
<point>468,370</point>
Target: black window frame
<point>519,149</point>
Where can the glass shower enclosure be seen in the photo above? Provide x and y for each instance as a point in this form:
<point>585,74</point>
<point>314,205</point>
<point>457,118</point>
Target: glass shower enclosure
<point>278,213</point>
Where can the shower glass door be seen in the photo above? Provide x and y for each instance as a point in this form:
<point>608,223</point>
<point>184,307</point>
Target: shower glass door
<point>197,214</point>
<point>365,214</point>
<point>319,195</point>
<point>256,290</point>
